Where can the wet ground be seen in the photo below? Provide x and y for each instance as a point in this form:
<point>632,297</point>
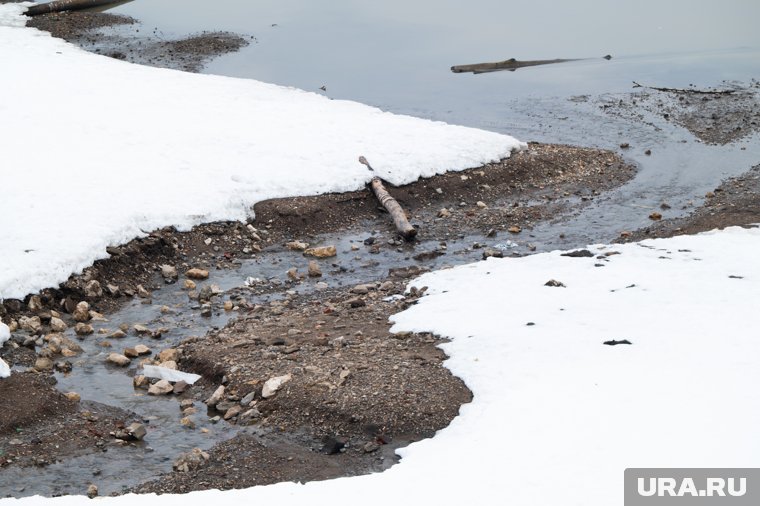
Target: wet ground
<point>355,392</point>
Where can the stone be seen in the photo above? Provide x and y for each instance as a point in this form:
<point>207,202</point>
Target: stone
<point>131,353</point>
<point>97,317</point>
<point>196,273</point>
<point>297,245</point>
<point>444,213</point>
<point>655,216</point>
<point>136,431</point>
<point>492,252</point>
<point>555,283</point>
<point>356,302</point>
<point>187,422</point>
<point>169,364</point>
<point>189,284</point>
<point>114,290</point>
<point>216,397</point>
<point>293,274</point>
<point>142,292</point>
<point>92,289</point>
<point>360,289</point>
<point>92,491</point>
<point>35,303</point>
<point>82,312</point>
<point>63,366</point>
<point>180,387</point>
<point>118,359</point>
<point>314,270</point>
<point>83,329</point>
<point>57,325</point>
<point>190,461</point>
<point>321,286</point>
<point>233,412</point>
<point>245,401</point>
<point>481,204</point>
<point>73,396</point>
<point>141,329</point>
<point>321,252</point>
<point>249,416</point>
<point>169,272</point>
<point>186,403</point>
<point>140,381</point>
<point>43,364</point>
<point>228,305</point>
<point>161,387</point>
<point>514,229</point>
<point>272,385</point>
<point>141,349</point>
<point>33,324</point>
<point>386,286</point>
<point>169,355</point>
<point>119,334</point>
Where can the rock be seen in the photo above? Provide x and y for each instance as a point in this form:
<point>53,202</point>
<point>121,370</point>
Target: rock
<point>169,355</point>
<point>83,329</point>
<point>625,145</point>
<point>187,422</point>
<point>180,387</point>
<point>297,245</point>
<point>186,403</point>
<point>92,491</point>
<point>63,366</point>
<point>33,324</point>
<point>114,290</point>
<point>169,272</point>
<point>293,274</point>
<point>206,311</point>
<point>555,283</point>
<point>233,412</point>
<point>216,397</point>
<point>140,381</point>
<point>161,387</point>
<point>272,385</point>
<point>321,286</point>
<point>43,364</point>
<point>57,325</point>
<point>92,289</point>
<point>444,213</point>
<point>189,284</point>
<point>97,317</point>
<point>360,289</point>
<point>228,306</point>
<point>136,431</point>
<point>356,302</point>
<point>481,204</point>
<point>655,216</point>
<point>321,252</point>
<point>580,253</point>
<point>196,273</point>
<point>386,286</point>
<point>73,396</point>
<point>245,401</point>
<point>141,349</point>
<point>371,447</point>
<point>190,461</point>
<point>141,329</point>
<point>131,353</point>
<point>119,334</point>
<point>249,416</point>
<point>118,359</point>
<point>314,270</point>
<point>82,312</point>
<point>142,292</point>
<point>35,303</point>
<point>169,364</point>
<point>514,229</point>
<point>492,252</point>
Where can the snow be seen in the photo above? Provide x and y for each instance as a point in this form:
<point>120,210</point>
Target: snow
<point>164,373</point>
<point>5,334</point>
<point>556,415</point>
<point>98,151</point>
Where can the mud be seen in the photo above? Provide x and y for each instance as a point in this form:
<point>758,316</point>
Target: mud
<point>120,37</point>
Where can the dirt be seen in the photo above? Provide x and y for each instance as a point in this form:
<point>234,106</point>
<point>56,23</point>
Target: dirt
<point>120,37</point>
<point>722,115</point>
<point>736,202</point>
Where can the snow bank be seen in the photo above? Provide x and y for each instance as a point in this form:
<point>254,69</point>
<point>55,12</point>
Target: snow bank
<point>96,151</point>
<point>5,334</point>
<point>557,415</point>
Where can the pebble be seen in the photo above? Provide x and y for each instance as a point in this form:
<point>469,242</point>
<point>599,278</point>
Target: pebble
<point>481,204</point>
<point>83,329</point>
<point>189,284</point>
<point>314,270</point>
<point>43,364</point>
<point>492,252</point>
<point>169,272</point>
<point>196,273</point>
<point>321,252</point>
<point>187,422</point>
<point>161,387</point>
<point>444,213</point>
<point>169,355</point>
<point>137,431</point>
<point>216,397</point>
<point>297,245</point>
<point>32,324</point>
<point>321,286</point>
<point>73,396</point>
<point>190,461</point>
<point>119,334</point>
<point>272,385</point>
<point>92,289</point>
<point>118,359</point>
<point>142,292</point>
<point>514,229</point>
<point>35,303</point>
<point>92,491</point>
<point>360,289</point>
<point>57,325</point>
<point>655,216</point>
<point>82,312</point>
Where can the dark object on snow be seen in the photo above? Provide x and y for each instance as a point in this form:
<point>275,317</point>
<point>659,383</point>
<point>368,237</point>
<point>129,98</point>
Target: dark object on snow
<point>407,231</point>
<point>580,253</point>
<point>555,283</point>
<point>67,5</point>
<point>615,343</point>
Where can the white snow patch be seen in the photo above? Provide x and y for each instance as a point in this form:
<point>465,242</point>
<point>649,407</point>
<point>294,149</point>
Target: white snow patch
<point>5,334</point>
<point>96,151</point>
<point>164,373</point>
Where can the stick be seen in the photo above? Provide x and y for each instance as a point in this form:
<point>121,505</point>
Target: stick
<point>66,5</point>
<point>511,65</point>
<point>682,90</point>
<point>407,231</point>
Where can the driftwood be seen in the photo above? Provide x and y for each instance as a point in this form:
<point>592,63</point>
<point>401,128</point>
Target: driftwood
<point>67,5</point>
<point>511,65</point>
<point>407,231</point>
<point>685,90</point>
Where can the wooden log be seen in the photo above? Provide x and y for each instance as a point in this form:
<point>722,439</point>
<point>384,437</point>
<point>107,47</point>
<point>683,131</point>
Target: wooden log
<point>407,231</point>
<point>67,5</point>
